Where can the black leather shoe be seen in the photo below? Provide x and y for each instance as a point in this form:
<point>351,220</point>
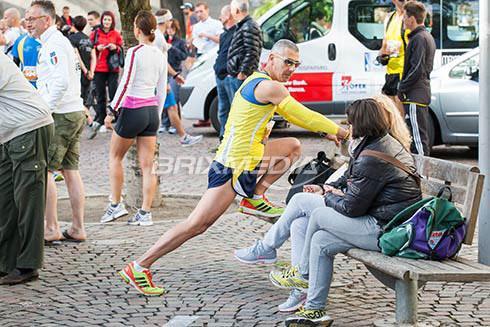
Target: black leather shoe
<point>18,276</point>
<point>3,274</point>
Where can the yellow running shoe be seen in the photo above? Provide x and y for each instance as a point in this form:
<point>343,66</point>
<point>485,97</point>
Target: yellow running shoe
<point>288,278</point>
<point>309,317</point>
<point>261,208</point>
<point>142,281</point>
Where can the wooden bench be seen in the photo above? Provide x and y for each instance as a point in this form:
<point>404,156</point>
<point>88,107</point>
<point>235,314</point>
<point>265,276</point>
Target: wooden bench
<point>406,276</point>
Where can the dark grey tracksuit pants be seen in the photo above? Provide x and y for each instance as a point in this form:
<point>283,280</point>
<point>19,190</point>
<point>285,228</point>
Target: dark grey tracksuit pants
<point>417,118</point>
<point>23,172</point>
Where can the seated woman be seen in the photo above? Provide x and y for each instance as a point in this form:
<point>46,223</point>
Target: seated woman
<point>350,211</point>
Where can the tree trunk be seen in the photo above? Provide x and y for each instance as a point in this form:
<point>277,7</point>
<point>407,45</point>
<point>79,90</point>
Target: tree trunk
<point>133,175</point>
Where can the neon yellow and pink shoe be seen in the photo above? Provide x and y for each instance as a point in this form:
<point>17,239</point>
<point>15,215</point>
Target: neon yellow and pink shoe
<point>140,280</point>
<point>261,208</point>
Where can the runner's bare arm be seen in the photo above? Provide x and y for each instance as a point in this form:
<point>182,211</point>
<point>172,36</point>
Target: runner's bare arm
<point>296,113</point>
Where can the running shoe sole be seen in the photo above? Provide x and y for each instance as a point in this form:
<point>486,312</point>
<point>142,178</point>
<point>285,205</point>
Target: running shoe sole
<point>301,322</point>
<point>258,261</point>
<point>257,213</point>
<point>128,281</point>
<point>119,215</point>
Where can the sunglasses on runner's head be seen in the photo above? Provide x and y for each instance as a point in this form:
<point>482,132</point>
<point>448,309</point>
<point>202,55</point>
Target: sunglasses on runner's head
<point>288,62</point>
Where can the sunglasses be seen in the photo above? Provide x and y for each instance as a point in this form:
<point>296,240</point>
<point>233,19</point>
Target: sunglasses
<point>289,62</point>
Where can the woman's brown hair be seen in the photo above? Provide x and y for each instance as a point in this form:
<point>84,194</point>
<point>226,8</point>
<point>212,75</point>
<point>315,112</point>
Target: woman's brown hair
<point>147,23</point>
<point>176,26</point>
<point>368,118</point>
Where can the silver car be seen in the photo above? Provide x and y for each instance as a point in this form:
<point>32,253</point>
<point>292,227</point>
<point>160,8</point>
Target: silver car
<point>455,101</point>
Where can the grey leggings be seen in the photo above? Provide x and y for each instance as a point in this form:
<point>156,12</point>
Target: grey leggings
<point>293,222</point>
<point>329,233</point>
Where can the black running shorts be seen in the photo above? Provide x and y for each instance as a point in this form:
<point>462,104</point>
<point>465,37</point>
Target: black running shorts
<point>133,122</point>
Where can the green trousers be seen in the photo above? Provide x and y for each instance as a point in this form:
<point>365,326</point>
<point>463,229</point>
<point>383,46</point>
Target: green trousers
<point>23,173</point>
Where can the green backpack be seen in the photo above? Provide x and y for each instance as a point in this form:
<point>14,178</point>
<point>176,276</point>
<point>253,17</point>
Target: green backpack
<point>432,228</point>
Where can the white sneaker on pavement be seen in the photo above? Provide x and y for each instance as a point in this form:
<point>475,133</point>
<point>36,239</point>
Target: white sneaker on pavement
<point>189,140</point>
<point>112,213</point>
<point>140,219</point>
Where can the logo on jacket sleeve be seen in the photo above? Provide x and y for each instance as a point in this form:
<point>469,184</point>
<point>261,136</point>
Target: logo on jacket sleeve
<point>53,58</point>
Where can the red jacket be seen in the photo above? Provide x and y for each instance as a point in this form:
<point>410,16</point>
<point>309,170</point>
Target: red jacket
<point>100,37</point>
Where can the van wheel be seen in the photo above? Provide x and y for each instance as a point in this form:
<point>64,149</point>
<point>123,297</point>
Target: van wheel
<point>213,114</point>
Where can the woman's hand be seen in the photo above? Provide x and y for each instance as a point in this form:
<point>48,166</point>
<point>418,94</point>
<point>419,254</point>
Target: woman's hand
<point>108,121</point>
<point>112,46</point>
<point>333,138</point>
<point>100,47</point>
<point>317,189</point>
<point>333,190</point>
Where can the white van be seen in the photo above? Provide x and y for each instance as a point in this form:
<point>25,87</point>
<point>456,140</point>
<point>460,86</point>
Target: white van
<point>339,41</point>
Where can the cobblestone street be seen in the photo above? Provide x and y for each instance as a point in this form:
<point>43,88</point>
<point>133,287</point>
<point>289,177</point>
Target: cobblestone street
<point>79,285</point>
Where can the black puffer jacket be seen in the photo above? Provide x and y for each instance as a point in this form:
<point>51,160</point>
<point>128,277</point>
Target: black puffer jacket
<point>375,187</point>
<point>245,48</point>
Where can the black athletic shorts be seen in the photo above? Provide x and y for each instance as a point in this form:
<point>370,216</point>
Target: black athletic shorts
<point>391,84</point>
<point>133,122</point>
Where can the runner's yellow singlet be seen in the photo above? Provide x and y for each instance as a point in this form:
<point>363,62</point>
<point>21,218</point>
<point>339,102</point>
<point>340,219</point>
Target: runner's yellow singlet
<point>242,148</point>
<point>395,44</point>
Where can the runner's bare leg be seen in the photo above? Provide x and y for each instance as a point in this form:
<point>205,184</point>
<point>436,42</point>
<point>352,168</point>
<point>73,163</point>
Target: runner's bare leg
<point>279,155</point>
<point>212,205</point>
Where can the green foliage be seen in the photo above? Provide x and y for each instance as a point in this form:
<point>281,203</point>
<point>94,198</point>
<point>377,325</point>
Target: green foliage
<point>266,5</point>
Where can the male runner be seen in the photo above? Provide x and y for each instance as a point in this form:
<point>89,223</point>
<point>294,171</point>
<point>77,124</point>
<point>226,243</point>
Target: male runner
<point>244,165</point>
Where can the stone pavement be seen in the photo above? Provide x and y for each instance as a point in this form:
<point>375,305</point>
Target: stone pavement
<point>79,287</point>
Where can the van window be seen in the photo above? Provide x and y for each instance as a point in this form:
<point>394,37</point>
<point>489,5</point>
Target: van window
<point>467,69</point>
<point>366,21</point>
<point>460,23</point>
<point>301,21</point>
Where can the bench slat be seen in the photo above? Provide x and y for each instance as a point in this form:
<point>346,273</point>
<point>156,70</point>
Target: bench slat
<point>442,170</point>
<point>463,276</point>
<point>431,188</point>
<point>371,259</point>
<point>424,270</point>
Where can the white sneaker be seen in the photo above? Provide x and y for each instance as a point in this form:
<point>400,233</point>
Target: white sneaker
<point>112,213</point>
<point>141,220</point>
<point>189,140</point>
<point>103,129</point>
<point>172,130</point>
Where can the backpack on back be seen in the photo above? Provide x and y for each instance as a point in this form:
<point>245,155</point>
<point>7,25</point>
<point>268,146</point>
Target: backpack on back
<point>432,229</point>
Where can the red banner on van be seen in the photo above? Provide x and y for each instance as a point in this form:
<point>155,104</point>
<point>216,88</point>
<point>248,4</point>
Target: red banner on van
<point>311,87</point>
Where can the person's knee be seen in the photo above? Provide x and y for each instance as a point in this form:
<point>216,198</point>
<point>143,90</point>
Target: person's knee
<point>198,227</point>
<point>299,199</point>
<point>146,164</point>
<point>295,146</point>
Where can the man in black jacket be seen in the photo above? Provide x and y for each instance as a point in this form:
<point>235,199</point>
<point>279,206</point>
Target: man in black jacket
<point>245,47</point>
<point>222,78</point>
<point>414,89</point>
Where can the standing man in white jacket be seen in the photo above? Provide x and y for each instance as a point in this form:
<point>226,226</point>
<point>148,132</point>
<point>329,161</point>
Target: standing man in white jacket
<point>59,85</point>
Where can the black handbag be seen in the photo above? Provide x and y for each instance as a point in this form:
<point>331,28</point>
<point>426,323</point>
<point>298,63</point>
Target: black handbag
<point>317,171</point>
<point>115,59</point>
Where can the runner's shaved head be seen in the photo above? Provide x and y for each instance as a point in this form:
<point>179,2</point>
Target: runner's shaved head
<point>281,46</point>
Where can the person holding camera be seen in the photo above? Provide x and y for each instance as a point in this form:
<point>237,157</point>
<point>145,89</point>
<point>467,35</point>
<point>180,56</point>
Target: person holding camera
<point>107,41</point>
<point>392,52</point>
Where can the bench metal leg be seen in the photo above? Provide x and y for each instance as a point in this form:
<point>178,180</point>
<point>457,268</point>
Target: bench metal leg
<point>406,302</point>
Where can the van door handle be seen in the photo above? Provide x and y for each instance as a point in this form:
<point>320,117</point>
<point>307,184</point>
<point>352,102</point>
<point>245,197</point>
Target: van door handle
<point>332,52</point>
